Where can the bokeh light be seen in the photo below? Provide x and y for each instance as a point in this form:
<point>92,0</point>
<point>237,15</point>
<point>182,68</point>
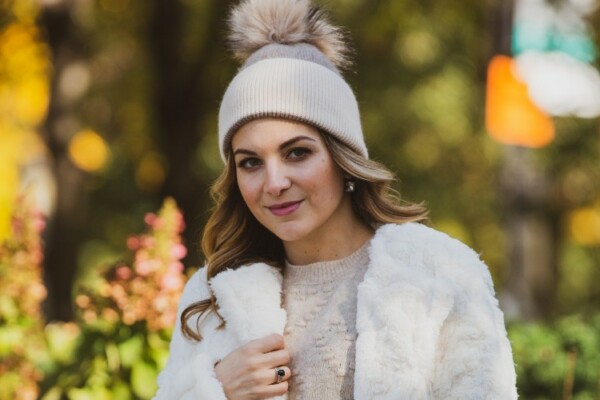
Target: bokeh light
<point>584,226</point>
<point>511,116</point>
<point>89,151</point>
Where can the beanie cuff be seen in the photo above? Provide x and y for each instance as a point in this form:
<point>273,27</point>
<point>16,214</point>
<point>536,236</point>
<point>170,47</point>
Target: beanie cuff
<point>292,89</point>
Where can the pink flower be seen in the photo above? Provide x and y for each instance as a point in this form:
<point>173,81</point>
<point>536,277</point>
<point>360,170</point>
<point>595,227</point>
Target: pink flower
<point>150,218</point>
<point>171,282</point>
<point>17,226</point>
<point>176,267</point>
<point>180,222</point>
<point>133,243</point>
<point>148,241</point>
<point>141,256</point>
<point>143,268</point>
<point>178,251</point>
<point>153,221</point>
<point>146,267</point>
<point>39,224</point>
<point>123,272</point>
<point>160,303</point>
<point>38,291</point>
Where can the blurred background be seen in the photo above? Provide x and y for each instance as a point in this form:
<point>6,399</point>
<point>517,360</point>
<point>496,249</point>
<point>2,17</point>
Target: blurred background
<point>488,111</point>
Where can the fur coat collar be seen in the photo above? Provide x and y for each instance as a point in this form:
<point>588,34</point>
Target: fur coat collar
<point>428,323</point>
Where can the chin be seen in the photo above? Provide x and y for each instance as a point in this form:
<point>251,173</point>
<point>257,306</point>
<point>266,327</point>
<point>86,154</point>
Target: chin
<point>290,234</point>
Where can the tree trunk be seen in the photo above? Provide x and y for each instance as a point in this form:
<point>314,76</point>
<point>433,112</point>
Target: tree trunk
<point>65,227</point>
<point>185,95</point>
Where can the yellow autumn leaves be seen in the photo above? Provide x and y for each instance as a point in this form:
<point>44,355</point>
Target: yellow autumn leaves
<point>24,97</point>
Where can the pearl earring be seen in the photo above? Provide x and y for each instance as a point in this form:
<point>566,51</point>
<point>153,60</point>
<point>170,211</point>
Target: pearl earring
<point>349,186</point>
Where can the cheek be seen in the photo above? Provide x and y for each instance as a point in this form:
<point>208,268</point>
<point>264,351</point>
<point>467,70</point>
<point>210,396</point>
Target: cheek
<point>326,183</point>
<point>249,190</point>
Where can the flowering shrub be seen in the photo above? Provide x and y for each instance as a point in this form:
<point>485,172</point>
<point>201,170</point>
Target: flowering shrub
<point>21,295</point>
<point>125,320</point>
<point>148,290</point>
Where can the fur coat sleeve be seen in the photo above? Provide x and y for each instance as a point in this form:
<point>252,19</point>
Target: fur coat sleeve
<point>189,373</point>
<point>249,314</point>
<point>429,325</point>
<point>473,358</point>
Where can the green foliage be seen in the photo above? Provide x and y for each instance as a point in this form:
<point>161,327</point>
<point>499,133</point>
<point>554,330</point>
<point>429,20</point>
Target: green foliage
<point>559,360</point>
<point>116,361</point>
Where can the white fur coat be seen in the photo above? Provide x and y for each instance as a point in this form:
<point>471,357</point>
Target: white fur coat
<point>428,324</point>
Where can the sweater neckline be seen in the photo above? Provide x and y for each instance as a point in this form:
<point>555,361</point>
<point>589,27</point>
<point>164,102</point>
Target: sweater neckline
<point>327,271</point>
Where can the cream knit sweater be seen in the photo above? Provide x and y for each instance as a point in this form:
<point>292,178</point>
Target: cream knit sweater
<point>320,300</point>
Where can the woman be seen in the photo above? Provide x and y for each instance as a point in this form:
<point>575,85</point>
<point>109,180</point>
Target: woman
<point>318,284</point>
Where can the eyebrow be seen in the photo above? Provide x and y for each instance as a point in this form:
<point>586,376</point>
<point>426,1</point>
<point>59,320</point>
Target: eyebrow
<point>282,146</point>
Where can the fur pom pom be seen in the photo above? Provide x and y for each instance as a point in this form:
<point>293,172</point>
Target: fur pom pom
<point>257,23</point>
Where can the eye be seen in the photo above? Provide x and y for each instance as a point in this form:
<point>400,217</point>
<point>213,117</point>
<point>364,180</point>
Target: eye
<point>247,163</point>
<point>298,153</point>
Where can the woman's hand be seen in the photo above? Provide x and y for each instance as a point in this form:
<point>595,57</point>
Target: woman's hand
<point>249,372</point>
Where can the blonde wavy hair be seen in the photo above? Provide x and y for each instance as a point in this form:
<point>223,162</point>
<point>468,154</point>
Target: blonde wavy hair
<point>233,237</point>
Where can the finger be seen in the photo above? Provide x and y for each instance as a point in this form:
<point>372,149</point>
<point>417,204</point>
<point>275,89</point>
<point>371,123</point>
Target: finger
<point>278,389</point>
<point>277,378</point>
<point>275,358</point>
<point>268,343</point>
<point>268,376</point>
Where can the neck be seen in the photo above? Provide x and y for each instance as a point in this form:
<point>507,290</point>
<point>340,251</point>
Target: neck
<point>337,242</point>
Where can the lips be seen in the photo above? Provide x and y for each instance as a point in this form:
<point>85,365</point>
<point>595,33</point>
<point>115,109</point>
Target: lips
<point>283,209</point>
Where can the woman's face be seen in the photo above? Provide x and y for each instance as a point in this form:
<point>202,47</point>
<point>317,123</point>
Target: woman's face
<point>289,180</point>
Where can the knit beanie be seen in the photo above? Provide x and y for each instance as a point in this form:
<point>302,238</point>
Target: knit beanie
<point>290,57</point>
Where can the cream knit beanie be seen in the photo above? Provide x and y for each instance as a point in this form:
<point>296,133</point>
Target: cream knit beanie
<point>291,55</point>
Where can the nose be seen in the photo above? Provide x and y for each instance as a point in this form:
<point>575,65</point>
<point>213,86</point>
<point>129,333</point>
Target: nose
<point>277,179</point>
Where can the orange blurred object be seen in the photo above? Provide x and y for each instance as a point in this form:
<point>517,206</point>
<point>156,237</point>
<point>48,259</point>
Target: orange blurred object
<point>511,117</point>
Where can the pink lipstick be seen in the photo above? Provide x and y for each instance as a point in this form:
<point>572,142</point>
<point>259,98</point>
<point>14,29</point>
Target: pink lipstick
<point>284,209</point>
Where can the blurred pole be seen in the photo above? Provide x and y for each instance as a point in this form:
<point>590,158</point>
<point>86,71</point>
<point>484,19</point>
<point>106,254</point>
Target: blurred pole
<point>500,25</point>
<point>530,227</point>
<point>532,236</point>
